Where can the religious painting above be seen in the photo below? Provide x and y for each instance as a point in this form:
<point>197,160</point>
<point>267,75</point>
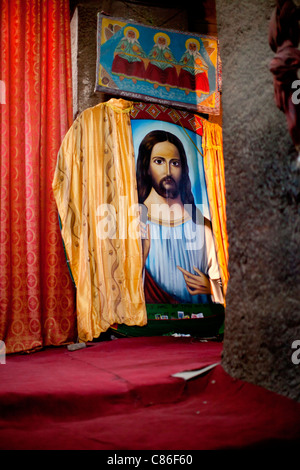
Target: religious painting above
<point>158,65</point>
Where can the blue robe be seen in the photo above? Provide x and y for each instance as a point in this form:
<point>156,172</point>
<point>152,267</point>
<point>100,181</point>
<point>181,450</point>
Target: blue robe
<point>185,245</point>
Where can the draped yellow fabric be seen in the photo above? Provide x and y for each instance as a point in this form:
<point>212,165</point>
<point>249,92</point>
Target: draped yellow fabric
<point>212,144</point>
<point>96,195</point>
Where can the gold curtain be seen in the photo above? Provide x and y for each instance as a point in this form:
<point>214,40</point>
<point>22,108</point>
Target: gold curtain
<point>97,204</point>
<point>212,143</point>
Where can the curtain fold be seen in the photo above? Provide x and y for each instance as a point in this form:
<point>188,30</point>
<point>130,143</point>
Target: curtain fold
<point>37,298</point>
<point>212,143</point>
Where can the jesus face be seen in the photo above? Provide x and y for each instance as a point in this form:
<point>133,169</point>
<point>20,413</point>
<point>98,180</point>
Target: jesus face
<point>165,169</point>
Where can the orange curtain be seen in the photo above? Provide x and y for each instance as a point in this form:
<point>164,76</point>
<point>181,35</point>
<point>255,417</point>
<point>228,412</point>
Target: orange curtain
<point>212,143</point>
<point>95,191</point>
<point>37,304</point>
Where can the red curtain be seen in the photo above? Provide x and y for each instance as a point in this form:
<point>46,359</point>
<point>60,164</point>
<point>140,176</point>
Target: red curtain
<point>37,304</point>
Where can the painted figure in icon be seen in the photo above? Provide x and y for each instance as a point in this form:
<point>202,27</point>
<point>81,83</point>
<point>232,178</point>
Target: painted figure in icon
<point>161,69</point>
<point>179,253</point>
<point>129,57</point>
<point>193,73</point>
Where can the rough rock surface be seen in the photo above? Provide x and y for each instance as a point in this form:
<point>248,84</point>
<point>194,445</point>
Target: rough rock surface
<point>263,207</point>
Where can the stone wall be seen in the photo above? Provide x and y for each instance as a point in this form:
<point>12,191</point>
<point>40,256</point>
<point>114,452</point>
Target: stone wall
<point>263,207</point>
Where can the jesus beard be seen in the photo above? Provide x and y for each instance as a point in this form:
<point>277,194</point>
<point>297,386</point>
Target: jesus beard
<point>167,188</point>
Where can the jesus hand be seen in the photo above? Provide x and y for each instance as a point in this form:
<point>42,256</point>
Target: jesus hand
<point>196,283</point>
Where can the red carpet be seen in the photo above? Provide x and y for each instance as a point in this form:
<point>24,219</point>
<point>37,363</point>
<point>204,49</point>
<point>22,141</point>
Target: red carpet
<point>120,394</point>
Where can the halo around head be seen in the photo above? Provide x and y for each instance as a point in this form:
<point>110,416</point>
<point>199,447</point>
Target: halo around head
<point>164,35</point>
<point>131,28</point>
<point>192,41</point>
